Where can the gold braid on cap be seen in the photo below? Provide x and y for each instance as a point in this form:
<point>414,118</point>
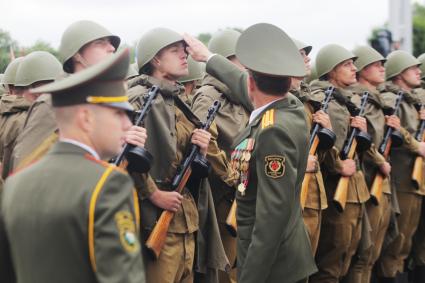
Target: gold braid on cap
<point>106,99</point>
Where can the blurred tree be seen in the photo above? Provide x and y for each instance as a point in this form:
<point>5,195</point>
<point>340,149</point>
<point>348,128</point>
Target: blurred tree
<point>418,29</point>
<point>6,45</point>
<point>39,45</point>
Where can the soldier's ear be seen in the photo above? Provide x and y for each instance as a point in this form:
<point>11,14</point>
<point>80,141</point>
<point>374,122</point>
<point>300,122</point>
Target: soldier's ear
<point>252,86</point>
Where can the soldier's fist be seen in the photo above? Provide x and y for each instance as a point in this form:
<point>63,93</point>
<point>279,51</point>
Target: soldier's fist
<point>136,136</point>
<point>201,138</point>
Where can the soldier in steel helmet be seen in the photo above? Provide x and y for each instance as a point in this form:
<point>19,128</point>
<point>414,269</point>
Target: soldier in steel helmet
<point>341,231</point>
<point>271,155</point>
<point>83,44</point>
<point>371,74</point>
<point>36,69</point>
<point>402,73</point>
<point>162,60</point>
<point>230,121</point>
<point>77,218</point>
<point>315,197</point>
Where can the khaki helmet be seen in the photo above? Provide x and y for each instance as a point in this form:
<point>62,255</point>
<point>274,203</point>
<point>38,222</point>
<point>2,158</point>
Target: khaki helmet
<point>421,59</point>
<point>313,74</point>
<point>79,34</point>
<point>397,62</point>
<point>330,56</point>
<point>10,72</point>
<point>366,55</point>
<point>195,71</point>
<point>224,42</point>
<point>132,71</point>
<point>152,42</point>
<point>301,45</point>
<point>38,66</point>
<point>266,49</point>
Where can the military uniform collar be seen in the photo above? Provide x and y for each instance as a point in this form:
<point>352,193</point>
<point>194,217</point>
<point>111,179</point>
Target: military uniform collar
<point>359,89</point>
<point>256,113</point>
<point>391,87</point>
<point>13,104</point>
<point>72,147</point>
<point>165,87</point>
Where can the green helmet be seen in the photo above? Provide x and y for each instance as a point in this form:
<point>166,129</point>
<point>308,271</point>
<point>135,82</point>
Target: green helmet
<point>330,56</point>
<point>152,42</point>
<point>224,42</point>
<point>301,45</point>
<point>132,71</point>
<point>366,55</point>
<point>38,66</point>
<point>195,71</point>
<point>397,62</point>
<point>10,72</point>
<point>79,34</point>
<point>421,59</point>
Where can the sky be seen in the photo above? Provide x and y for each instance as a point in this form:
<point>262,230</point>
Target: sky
<point>316,22</point>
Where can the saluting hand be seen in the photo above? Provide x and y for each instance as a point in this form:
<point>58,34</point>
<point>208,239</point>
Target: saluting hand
<point>359,123</point>
<point>196,48</point>
<point>136,136</point>
<point>166,200</point>
<point>393,121</point>
<point>322,118</point>
<point>201,138</point>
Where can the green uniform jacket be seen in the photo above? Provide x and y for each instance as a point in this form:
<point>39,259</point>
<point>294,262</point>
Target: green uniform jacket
<point>13,111</point>
<point>39,125</point>
<point>273,245</point>
<point>75,221</point>
<point>403,158</point>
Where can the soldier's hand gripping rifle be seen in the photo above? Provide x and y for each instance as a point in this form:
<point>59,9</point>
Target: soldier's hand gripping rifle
<point>157,237</point>
<point>392,138</point>
<point>417,167</point>
<point>139,159</point>
<point>319,138</point>
<point>355,139</point>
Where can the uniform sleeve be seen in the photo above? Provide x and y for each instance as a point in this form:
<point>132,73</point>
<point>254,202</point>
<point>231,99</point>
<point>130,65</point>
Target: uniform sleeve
<point>201,102</point>
<point>409,142</point>
<point>7,274</point>
<point>235,79</point>
<point>117,255</point>
<point>332,161</point>
<point>373,155</point>
<point>276,198</point>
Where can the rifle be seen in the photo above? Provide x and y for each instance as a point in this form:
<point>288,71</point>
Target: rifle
<point>318,135</point>
<point>356,138</point>
<point>391,138</point>
<point>139,159</point>
<point>156,239</point>
<point>417,167</point>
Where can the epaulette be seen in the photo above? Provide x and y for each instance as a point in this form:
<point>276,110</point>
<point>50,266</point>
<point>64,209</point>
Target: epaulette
<point>104,163</point>
<point>268,119</point>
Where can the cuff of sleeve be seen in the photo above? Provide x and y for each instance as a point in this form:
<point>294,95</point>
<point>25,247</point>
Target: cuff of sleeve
<point>144,185</point>
<point>209,57</point>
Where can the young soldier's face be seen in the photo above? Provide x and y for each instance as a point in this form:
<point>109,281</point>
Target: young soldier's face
<point>109,128</point>
<point>411,76</point>
<point>171,61</point>
<point>374,73</point>
<point>96,50</point>
<point>345,73</point>
<point>306,61</point>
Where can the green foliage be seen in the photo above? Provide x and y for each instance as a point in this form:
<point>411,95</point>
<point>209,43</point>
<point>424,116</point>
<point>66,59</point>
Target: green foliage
<point>418,29</point>
<point>40,45</point>
<point>6,42</point>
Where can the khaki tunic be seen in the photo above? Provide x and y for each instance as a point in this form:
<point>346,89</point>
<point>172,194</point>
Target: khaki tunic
<point>39,125</point>
<point>13,111</point>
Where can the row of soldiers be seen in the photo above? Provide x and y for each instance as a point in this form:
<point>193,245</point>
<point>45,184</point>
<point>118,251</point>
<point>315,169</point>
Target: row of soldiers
<point>257,145</point>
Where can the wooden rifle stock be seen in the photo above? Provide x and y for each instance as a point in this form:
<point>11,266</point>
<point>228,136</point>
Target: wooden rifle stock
<point>307,176</point>
<point>418,166</point>
<point>157,237</point>
<point>376,189</point>
<point>231,220</point>
<point>384,149</point>
<point>314,143</point>
<point>348,152</point>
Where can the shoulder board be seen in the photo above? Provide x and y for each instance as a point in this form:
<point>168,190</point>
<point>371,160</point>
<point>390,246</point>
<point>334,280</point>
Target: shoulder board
<point>268,119</point>
<point>103,163</point>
